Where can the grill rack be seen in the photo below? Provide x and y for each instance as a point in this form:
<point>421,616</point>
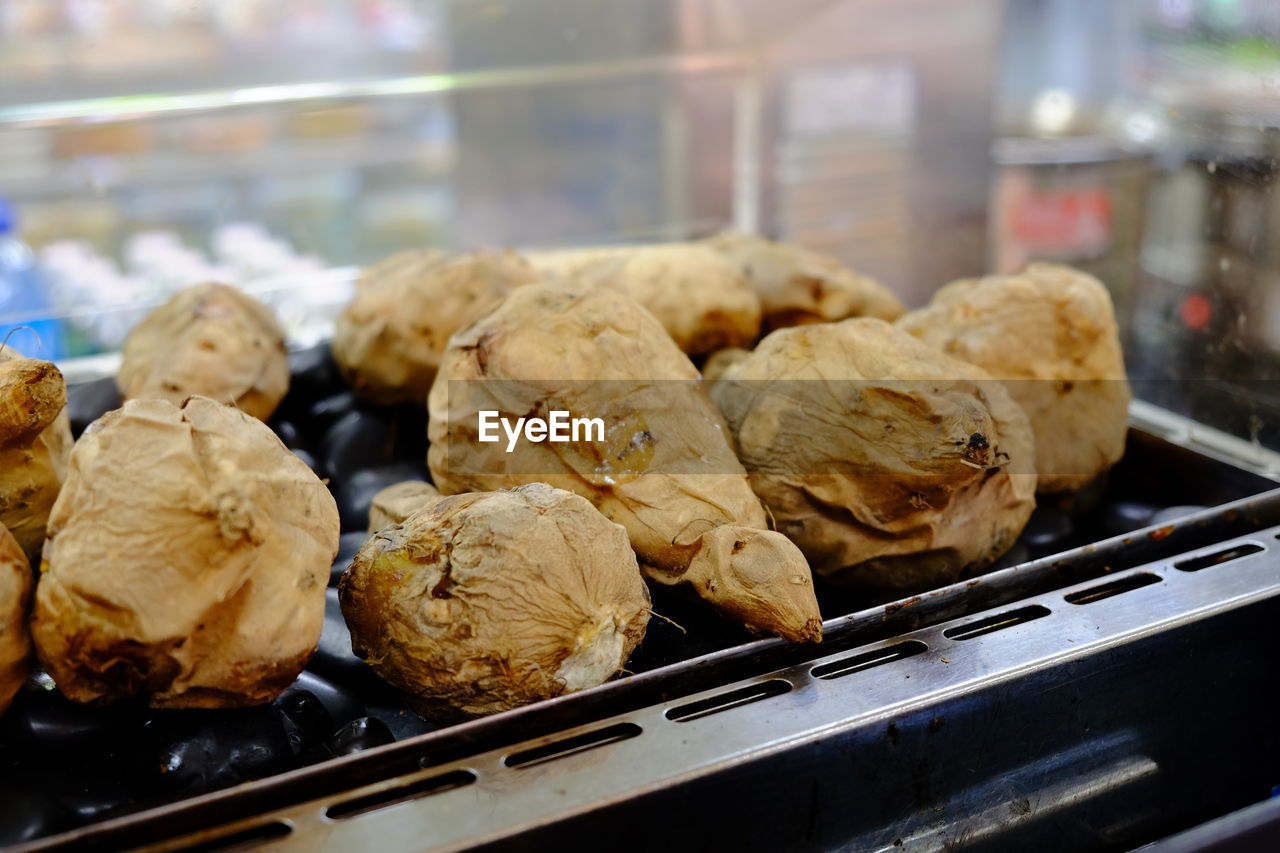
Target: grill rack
<point>656,742</point>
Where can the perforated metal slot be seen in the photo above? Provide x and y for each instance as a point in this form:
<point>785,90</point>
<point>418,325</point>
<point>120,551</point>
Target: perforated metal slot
<point>572,745</point>
<point>1217,558</point>
<point>731,699</point>
<point>1112,588</point>
<point>250,837</point>
<point>868,660</point>
<point>400,794</point>
<point>999,622</point>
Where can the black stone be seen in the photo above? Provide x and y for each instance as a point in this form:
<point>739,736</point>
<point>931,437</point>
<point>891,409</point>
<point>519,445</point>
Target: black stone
<point>400,720</point>
<point>42,722</point>
<point>204,750</point>
<point>360,734</point>
<point>348,545</point>
<point>326,411</point>
<point>88,795</point>
<point>358,439</point>
<point>1049,530</point>
<point>343,705</point>
<point>289,434</point>
<point>305,456</point>
<point>1174,513</point>
<point>334,658</point>
<point>88,401</point>
<point>313,373</point>
<point>355,494</point>
<point>1015,556</point>
<point>1124,516</point>
<point>306,719</point>
<point>27,814</point>
<point>411,432</point>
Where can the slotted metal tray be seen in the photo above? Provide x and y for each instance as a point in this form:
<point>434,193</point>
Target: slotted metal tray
<point>1095,699</point>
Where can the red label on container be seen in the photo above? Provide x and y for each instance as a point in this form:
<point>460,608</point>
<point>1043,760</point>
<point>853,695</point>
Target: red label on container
<point>1063,221</point>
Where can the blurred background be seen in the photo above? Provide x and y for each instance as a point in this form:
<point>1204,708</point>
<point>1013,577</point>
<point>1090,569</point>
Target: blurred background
<point>150,144</point>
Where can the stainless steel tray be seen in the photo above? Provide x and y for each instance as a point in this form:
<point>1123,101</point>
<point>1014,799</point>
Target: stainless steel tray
<point>1094,699</point>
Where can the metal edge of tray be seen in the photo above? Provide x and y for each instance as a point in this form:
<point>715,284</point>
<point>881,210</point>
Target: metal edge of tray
<point>747,663</point>
<point>504,792</point>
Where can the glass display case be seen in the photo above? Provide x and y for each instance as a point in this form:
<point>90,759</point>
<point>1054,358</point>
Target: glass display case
<point>1104,683</point>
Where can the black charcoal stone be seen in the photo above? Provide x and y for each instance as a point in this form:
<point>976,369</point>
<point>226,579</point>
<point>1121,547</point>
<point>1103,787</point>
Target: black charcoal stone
<point>1124,516</point>
<point>1049,530</point>
<point>88,401</point>
<point>307,721</point>
<point>359,439</point>
<point>360,734</point>
<point>355,493</point>
<point>204,750</point>
<point>43,722</point>
<point>27,814</point>
<point>342,704</point>
<point>1174,513</point>
<point>348,545</point>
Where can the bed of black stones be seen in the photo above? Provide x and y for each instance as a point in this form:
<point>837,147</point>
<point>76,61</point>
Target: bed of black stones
<point>64,765</point>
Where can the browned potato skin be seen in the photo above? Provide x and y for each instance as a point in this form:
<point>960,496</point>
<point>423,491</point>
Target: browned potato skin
<point>15,597</point>
<point>389,340</point>
<point>483,602</point>
<point>1050,332</point>
<point>702,300</point>
<point>397,502</point>
<point>720,361</point>
<point>797,285</point>
<point>212,340</point>
<point>666,471</point>
<point>35,444</point>
<point>861,442</point>
<point>186,560</point>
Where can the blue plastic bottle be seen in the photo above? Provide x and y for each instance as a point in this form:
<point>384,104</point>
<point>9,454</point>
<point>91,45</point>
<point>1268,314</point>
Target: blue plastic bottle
<point>23,300</point>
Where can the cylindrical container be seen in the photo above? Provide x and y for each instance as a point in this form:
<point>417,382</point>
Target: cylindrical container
<point>1077,200</point>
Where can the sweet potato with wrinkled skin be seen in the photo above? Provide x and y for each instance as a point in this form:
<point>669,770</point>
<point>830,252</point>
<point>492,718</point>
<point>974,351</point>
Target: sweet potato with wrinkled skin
<point>891,465</point>
<point>15,597</point>
<point>212,340</point>
<point>1049,332</point>
<point>797,285</point>
<point>398,501</point>
<point>35,443</point>
<point>484,602</point>
<point>186,561</point>
<point>665,471</point>
<point>389,340</point>
<point>702,300</point>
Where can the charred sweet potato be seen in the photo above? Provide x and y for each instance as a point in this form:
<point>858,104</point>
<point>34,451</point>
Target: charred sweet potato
<point>35,443</point>
<point>483,602</point>
<point>15,598</point>
<point>892,465</point>
<point>1050,334</point>
<point>389,340</point>
<point>213,340</point>
<point>703,301</point>
<point>663,466</point>
<point>186,560</point>
<point>797,285</point>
